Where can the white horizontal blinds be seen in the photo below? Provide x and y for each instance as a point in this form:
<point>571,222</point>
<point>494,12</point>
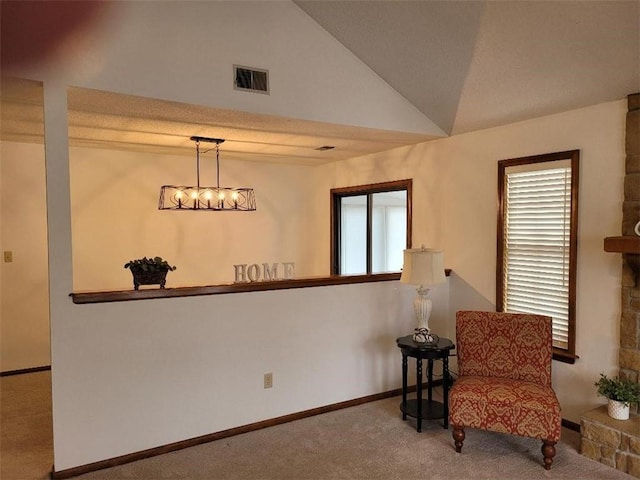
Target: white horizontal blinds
<point>537,242</point>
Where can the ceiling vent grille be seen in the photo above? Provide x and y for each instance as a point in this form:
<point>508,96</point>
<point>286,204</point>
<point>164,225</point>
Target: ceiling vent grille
<point>251,79</point>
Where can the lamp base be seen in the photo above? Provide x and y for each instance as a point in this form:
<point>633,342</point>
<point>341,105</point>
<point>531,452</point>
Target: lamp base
<point>424,337</point>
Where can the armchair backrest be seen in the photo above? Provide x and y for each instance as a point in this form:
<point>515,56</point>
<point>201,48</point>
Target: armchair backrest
<point>507,345</point>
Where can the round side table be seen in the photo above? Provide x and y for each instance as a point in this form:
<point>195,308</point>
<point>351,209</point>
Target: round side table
<point>425,409</point>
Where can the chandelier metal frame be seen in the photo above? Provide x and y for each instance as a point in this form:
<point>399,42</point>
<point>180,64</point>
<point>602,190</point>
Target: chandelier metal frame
<point>217,199</point>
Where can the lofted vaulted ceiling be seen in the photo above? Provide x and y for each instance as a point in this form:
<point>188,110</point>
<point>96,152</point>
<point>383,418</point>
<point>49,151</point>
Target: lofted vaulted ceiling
<point>470,65</point>
<point>466,65</point>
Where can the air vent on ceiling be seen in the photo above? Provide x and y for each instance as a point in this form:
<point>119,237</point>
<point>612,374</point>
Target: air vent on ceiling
<point>251,79</point>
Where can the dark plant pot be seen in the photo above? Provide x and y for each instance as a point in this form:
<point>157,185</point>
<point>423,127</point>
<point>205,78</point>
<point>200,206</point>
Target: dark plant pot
<point>140,277</point>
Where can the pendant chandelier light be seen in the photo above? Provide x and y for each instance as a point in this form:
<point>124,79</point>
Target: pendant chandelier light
<point>206,198</point>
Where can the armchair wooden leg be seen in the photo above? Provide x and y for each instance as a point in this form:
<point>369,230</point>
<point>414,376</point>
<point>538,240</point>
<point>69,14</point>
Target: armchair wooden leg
<point>458,437</point>
<point>548,451</point>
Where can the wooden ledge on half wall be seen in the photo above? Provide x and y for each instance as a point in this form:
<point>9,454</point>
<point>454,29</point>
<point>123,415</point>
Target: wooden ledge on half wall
<point>128,295</point>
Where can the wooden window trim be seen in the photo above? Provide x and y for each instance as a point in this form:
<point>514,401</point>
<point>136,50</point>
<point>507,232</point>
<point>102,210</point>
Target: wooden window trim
<point>335,193</point>
<point>568,355</point>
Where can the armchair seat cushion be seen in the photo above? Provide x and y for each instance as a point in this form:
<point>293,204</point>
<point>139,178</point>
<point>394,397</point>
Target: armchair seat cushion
<point>505,405</point>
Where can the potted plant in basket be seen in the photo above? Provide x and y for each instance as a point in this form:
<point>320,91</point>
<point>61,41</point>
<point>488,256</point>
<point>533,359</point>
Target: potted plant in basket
<point>149,271</point>
<point>621,394</point>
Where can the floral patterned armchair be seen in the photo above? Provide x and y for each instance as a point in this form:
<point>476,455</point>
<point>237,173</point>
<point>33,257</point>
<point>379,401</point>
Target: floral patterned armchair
<point>504,382</point>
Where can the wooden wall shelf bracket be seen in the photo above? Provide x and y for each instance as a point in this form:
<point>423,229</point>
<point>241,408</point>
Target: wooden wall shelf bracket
<point>629,246</point>
<point>624,244</point>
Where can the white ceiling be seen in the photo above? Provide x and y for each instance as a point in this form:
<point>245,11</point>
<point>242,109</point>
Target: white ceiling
<point>464,65</point>
<point>470,65</point>
<point>101,119</point>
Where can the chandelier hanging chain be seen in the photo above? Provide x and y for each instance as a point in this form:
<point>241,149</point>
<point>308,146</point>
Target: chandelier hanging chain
<point>198,163</point>
<point>218,164</point>
<point>217,141</point>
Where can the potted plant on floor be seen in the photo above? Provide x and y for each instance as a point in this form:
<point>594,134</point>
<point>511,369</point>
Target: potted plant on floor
<point>149,271</point>
<point>621,394</point>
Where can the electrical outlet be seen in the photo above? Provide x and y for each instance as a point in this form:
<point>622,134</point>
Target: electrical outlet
<point>8,256</point>
<point>268,380</point>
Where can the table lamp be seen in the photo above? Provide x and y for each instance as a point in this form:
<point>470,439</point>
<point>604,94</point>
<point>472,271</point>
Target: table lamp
<point>423,267</point>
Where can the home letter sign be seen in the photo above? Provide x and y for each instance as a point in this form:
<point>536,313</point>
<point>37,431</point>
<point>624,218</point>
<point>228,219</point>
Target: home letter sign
<point>254,273</point>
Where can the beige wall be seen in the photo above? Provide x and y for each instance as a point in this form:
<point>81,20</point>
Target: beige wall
<point>149,373</point>
<point>455,207</point>
<point>115,218</point>
<point>24,291</point>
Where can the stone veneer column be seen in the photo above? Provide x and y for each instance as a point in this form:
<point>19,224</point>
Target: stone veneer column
<point>629,356</point>
<point>617,442</point>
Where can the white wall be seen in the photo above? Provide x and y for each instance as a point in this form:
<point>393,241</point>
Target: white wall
<point>156,372</point>
<point>455,205</point>
<point>24,292</point>
<point>153,372</point>
<point>102,349</point>
<point>119,52</point>
<point>114,197</point>
<point>311,73</point>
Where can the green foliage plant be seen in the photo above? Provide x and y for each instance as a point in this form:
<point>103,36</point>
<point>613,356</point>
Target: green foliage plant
<point>149,265</point>
<point>622,390</point>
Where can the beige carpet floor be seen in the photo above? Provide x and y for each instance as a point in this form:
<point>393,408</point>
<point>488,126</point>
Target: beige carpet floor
<point>26,437</point>
<point>365,442</point>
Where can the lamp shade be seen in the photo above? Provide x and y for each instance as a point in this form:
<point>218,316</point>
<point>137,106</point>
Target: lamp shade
<point>423,266</point>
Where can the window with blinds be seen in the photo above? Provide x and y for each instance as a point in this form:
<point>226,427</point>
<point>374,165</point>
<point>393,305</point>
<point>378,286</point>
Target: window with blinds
<point>536,244</point>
